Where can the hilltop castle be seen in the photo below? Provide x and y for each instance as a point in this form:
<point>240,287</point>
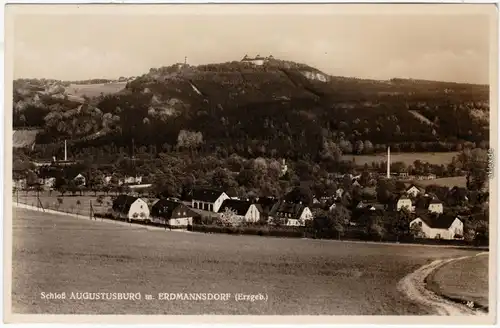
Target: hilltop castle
<point>257,60</point>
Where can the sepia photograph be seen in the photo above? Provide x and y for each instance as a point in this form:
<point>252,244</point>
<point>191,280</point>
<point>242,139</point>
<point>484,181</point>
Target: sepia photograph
<point>273,161</point>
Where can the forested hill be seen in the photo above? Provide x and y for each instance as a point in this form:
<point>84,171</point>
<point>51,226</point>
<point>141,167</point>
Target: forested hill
<point>277,109</point>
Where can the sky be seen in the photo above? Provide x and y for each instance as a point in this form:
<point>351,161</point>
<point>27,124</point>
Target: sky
<point>421,46</point>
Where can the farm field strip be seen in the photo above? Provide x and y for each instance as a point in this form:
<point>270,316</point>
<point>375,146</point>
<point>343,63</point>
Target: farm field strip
<point>64,254</point>
<point>407,158</point>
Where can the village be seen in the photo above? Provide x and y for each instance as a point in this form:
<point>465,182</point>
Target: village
<point>373,206</point>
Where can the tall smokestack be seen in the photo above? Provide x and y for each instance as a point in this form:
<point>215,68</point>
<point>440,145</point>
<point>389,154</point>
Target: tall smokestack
<point>65,151</point>
<point>388,162</point>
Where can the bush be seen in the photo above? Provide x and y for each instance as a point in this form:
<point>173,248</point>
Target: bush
<point>296,232</point>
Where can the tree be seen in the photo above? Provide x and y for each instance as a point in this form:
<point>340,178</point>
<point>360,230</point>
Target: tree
<point>376,227</point>
<point>475,162</point>
<point>59,202</point>
<point>359,147</point>
<point>416,231</point>
<point>384,190</point>
<point>300,194</point>
<point>78,204</point>
<point>399,224</point>
<point>470,235</point>
<point>368,147</point>
<point>229,218</point>
<point>338,220</point>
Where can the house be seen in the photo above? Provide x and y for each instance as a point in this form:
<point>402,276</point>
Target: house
<point>370,206</point>
<point>292,214</point>
<point>339,193</point>
<point>439,227</point>
<point>414,191</point>
<point>266,204</point>
<point>20,184</point>
<point>435,206</point>
<point>49,183</point>
<point>131,208</point>
<point>207,199</point>
<point>130,180</point>
<point>430,203</point>
<point>405,202</point>
<point>80,180</point>
<point>171,213</point>
<point>244,211</point>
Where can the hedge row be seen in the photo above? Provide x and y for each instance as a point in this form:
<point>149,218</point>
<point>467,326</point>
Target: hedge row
<point>302,232</point>
<point>251,230</point>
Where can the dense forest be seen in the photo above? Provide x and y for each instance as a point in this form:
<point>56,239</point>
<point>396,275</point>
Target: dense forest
<point>279,109</point>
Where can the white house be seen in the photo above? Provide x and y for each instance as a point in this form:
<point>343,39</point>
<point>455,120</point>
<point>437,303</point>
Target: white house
<point>339,193</point>
<point>435,206</point>
<point>171,213</point>
<point>291,214</point>
<point>131,180</point>
<point>208,200</point>
<point>439,227</point>
<point>80,180</point>
<point>405,202</point>
<point>413,191</point>
<point>49,183</point>
<point>243,210</point>
<point>131,208</point>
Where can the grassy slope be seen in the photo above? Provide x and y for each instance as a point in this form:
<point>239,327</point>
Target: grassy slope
<point>450,182</point>
<point>407,158</point>
<point>465,280</point>
<point>55,253</point>
<point>94,90</point>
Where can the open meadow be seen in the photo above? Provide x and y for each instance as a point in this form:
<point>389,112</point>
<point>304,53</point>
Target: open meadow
<point>450,182</point>
<point>95,90</point>
<point>407,158</point>
<point>58,253</point>
<point>465,280</point>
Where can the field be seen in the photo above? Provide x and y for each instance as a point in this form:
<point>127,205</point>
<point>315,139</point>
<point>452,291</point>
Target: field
<point>94,90</point>
<point>466,280</point>
<point>58,253</point>
<point>450,182</point>
<point>407,158</point>
<point>69,204</point>
<point>24,138</point>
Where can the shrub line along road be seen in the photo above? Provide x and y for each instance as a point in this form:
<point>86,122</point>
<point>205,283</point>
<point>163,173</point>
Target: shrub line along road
<point>412,285</point>
<point>156,228</point>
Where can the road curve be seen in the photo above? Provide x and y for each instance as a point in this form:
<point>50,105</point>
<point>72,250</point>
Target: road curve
<point>414,287</point>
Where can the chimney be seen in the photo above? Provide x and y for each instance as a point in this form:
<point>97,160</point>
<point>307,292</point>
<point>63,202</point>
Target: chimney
<point>65,151</point>
<point>388,162</point>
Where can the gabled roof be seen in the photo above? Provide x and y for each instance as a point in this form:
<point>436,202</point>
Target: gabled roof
<point>239,206</point>
<point>424,201</point>
<point>410,186</point>
<point>206,195</point>
<point>165,208</point>
<point>295,210</point>
<point>122,203</point>
<point>266,202</point>
<point>370,205</point>
<point>404,196</point>
<point>438,222</point>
